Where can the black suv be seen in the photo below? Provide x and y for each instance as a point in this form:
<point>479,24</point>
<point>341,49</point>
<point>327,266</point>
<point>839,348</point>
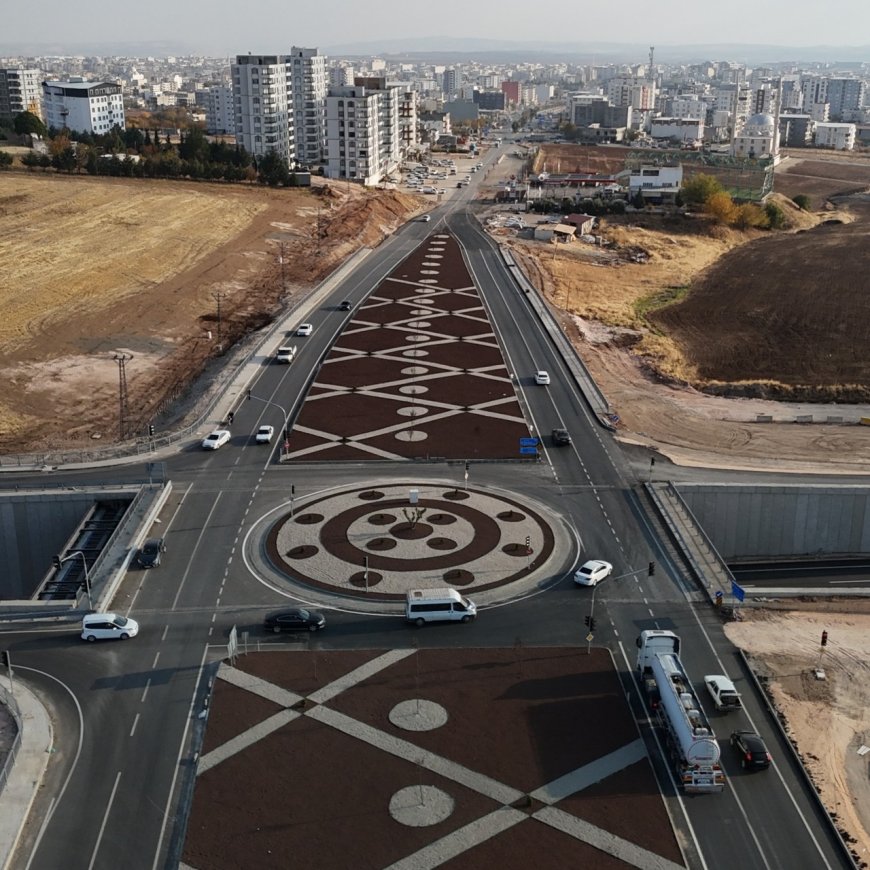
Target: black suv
<point>152,550</point>
<point>561,437</point>
<point>344,306</point>
<point>753,752</point>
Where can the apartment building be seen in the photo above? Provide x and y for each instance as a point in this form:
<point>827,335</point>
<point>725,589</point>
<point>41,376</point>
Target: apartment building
<point>840,137</point>
<point>20,91</point>
<point>845,97</point>
<point>362,131</point>
<point>220,117</point>
<point>83,106</point>
<point>409,123</point>
<point>630,91</point>
<point>511,91</point>
<point>309,87</point>
<point>261,105</point>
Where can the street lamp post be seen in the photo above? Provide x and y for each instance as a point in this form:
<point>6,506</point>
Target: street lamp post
<point>286,417</point>
<point>59,560</point>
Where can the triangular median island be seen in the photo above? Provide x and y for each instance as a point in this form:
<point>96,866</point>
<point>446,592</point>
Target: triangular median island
<point>411,758</point>
<point>417,373</point>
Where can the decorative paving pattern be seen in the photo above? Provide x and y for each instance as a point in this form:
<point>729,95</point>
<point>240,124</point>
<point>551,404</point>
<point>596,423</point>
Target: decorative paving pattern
<point>356,541</point>
<point>417,373</point>
<point>529,758</point>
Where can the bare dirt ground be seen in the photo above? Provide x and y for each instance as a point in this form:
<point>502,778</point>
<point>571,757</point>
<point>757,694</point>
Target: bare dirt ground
<point>96,266</point>
<point>828,720</point>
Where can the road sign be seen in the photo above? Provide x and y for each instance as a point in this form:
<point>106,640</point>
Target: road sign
<point>529,450</point>
<point>737,591</point>
<point>529,442</point>
<point>589,637</point>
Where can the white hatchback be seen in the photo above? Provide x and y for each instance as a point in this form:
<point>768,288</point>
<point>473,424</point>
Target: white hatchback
<point>592,572</point>
<point>542,378</point>
<point>305,329</point>
<point>108,626</point>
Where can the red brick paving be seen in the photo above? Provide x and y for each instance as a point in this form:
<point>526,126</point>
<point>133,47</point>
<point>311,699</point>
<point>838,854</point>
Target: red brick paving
<point>310,796</point>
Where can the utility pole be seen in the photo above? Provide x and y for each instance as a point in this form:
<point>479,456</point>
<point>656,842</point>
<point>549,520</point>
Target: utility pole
<point>282,260</point>
<point>123,398</point>
<point>217,295</point>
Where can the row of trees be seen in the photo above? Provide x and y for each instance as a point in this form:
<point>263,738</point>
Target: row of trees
<point>136,153</point>
<point>706,192</point>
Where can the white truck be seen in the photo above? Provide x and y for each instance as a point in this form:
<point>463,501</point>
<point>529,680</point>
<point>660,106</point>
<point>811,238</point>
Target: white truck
<point>725,697</point>
<point>692,744</point>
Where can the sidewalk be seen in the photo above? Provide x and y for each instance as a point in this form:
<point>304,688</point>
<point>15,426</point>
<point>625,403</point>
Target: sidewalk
<point>27,769</point>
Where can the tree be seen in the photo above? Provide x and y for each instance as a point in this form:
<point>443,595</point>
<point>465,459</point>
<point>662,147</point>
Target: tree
<point>5,159</point>
<point>750,215</point>
<point>65,161</point>
<point>721,208</point>
<point>273,170</point>
<point>775,215</point>
<point>698,189</point>
<point>802,201</point>
<point>26,123</point>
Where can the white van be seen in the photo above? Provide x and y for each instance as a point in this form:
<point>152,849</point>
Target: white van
<point>438,605</point>
<point>286,354</point>
<point>108,626</point>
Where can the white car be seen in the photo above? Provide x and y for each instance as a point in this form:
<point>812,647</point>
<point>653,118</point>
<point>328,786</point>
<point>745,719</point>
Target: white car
<point>426,218</point>
<point>264,434</point>
<point>305,329</point>
<point>216,439</point>
<point>108,626</point>
<point>542,378</point>
<point>592,572</point>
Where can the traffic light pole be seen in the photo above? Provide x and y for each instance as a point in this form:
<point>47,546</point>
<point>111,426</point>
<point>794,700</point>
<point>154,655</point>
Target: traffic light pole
<point>590,619</point>
<point>284,433</point>
<point>59,560</point>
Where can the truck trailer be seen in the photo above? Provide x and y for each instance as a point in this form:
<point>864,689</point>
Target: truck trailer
<point>691,742</point>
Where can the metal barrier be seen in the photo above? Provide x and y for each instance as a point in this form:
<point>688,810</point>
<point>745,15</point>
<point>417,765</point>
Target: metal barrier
<point>7,700</point>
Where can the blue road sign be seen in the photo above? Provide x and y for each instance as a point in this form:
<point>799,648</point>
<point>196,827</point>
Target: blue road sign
<point>737,591</point>
<point>529,450</point>
<point>528,442</point>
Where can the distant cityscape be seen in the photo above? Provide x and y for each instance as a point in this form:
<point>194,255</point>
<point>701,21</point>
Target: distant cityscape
<point>358,119</point>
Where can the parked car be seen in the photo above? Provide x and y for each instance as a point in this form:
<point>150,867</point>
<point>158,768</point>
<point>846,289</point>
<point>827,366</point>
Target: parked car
<point>264,434</point>
<point>561,437</point>
<point>216,439</point>
<point>542,378</point>
<point>591,573</point>
<point>305,329</point>
<point>150,553</point>
<point>297,619</point>
<point>753,753</point>
<point>108,626</point>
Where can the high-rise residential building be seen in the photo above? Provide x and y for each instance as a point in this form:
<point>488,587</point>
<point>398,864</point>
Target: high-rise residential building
<point>845,97</point>
<point>340,76</point>
<point>450,82</point>
<point>631,91</point>
<point>261,96</point>
<point>511,91</point>
<point>83,106</point>
<point>409,124</point>
<point>362,130</point>
<point>220,115</point>
<point>308,91</point>
<point>20,91</point>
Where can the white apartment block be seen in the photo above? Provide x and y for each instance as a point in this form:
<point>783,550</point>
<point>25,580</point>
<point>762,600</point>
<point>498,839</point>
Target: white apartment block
<point>840,137</point>
<point>688,130</point>
<point>220,116</point>
<point>82,106</point>
<point>261,89</point>
<point>20,91</point>
<point>631,91</point>
<point>362,131</point>
<point>688,108</point>
<point>655,178</point>
<point>409,121</point>
<point>308,82</point>
<point>544,93</point>
<point>340,76</point>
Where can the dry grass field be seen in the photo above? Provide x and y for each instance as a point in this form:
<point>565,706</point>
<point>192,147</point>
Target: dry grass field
<point>95,266</point>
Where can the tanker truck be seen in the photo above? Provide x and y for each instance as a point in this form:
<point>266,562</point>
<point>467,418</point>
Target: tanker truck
<point>691,742</point>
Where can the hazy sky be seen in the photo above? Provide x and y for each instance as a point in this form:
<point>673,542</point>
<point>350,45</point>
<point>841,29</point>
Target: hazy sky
<point>236,26</point>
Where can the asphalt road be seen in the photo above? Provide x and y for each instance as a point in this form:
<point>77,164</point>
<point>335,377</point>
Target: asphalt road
<point>127,712</point>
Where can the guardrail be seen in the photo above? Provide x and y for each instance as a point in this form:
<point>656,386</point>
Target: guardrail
<point>7,700</point>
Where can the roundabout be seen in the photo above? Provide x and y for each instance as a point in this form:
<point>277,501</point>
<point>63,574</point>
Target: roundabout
<point>375,543</point>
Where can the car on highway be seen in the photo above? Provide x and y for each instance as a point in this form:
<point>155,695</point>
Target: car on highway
<point>108,626</point>
<point>305,329</point>
<point>216,439</point>
<point>751,749</point>
<point>150,553</point>
<point>542,378</point>
<point>345,306</point>
<point>264,434</point>
<point>297,619</point>
<point>426,218</point>
<point>591,573</point>
<point>561,437</point>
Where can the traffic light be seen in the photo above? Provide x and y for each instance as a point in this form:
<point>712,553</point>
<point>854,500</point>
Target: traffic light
<point>824,638</point>
<point>586,620</point>
<point>652,569</point>
<point>592,624</point>
<point>150,430</point>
